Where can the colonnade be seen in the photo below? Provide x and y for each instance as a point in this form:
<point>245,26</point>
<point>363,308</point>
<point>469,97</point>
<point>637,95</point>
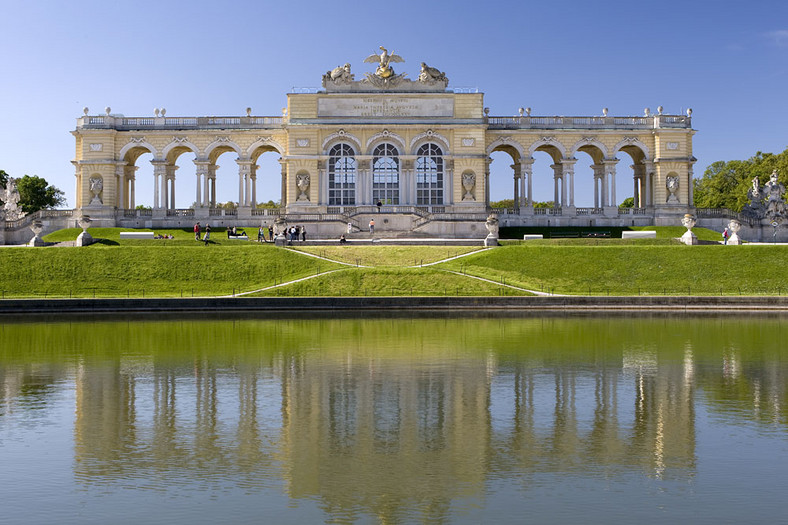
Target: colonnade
<point>564,183</point>
<point>205,187</point>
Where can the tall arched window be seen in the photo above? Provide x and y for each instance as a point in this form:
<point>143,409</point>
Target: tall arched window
<point>341,176</point>
<point>429,175</point>
<point>385,174</point>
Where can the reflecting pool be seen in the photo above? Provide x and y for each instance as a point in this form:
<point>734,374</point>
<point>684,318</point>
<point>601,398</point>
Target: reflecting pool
<point>365,419</point>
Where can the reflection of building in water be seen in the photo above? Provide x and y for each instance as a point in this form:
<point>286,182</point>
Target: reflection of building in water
<point>379,433</point>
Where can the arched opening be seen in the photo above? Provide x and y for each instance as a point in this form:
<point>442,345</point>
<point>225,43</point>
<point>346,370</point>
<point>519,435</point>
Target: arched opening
<point>267,184</point>
<point>501,193</point>
<point>342,167</point>
<point>640,187</point>
<point>429,175</point>
<point>228,193</point>
<point>548,190</point>
<point>587,179</point>
<point>136,187</point>
<point>385,174</point>
<point>180,168</point>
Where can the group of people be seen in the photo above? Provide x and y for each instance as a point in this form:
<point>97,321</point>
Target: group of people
<point>235,232</point>
<point>198,229</point>
<point>295,233</point>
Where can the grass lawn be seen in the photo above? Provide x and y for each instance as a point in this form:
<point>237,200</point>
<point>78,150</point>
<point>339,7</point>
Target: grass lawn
<point>184,267</point>
<point>388,255</point>
<point>634,270</point>
<point>367,282</point>
<point>162,270</point>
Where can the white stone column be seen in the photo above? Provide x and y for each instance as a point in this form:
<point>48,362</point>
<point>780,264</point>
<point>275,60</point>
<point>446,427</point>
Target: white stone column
<point>120,184</point>
<point>528,171</point>
<point>599,172</point>
<point>159,174</point>
<point>690,187</point>
<point>202,168</point>
<point>253,177</point>
<point>171,186</point>
<point>610,175</point>
<point>516,194</point>
<point>284,182</point>
<point>558,198</point>
<point>568,171</point>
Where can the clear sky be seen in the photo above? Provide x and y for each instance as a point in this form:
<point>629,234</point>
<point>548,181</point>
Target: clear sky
<point>727,61</point>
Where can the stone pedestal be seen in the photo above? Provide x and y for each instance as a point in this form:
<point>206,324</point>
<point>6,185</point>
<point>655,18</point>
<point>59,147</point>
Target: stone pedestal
<point>689,238</point>
<point>37,226</point>
<point>734,240</point>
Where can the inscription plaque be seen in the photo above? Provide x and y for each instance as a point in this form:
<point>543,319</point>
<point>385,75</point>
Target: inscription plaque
<point>385,107</point>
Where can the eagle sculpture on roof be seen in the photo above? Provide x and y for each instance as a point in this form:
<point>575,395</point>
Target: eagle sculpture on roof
<point>384,70</point>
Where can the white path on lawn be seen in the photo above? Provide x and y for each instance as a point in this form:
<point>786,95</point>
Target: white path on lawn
<point>503,285</point>
<point>288,283</point>
<point>490,281</point>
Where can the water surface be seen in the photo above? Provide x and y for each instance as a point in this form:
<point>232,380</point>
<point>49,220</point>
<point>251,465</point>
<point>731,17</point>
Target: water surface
<point>394,419</point>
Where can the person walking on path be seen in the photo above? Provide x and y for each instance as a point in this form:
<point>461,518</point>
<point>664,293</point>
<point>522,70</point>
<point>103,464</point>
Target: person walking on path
<point>303,233</point>
<point>260,234</point>
<point>197,232</point>
<point>207,235</point>
<point>271,233</point>
<point>372,226</point>
<point>725,236</point>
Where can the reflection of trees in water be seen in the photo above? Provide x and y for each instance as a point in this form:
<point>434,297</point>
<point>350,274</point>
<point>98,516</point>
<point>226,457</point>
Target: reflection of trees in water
<point>370,425</point>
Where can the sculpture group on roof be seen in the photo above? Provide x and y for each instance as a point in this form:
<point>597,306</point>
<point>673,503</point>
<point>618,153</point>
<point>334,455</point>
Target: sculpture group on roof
<point>384,75</point>
<point>11,209</point>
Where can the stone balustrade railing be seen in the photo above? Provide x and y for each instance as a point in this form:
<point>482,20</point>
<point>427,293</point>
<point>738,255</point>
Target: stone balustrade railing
<point>650,122</point>
<point>122,123</point>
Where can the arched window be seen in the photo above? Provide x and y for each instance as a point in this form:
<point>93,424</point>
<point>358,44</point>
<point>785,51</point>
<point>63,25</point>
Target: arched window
<point>341,176</point>
<point>429,175</point>
<point>385,174</point>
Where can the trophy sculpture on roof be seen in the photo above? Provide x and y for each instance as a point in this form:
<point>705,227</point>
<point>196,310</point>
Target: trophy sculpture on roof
<point>384,75</point>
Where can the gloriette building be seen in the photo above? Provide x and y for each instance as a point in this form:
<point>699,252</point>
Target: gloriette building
<point>398,137</point>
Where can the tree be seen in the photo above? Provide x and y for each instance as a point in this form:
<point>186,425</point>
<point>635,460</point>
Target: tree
<point>36,194</point>
<point>629,202</point>
<point>725,184</point>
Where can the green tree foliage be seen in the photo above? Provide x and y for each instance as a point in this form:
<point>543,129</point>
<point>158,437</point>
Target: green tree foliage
<point>629,202</point>
<point>725,184</point>
<point>36,194</point>
<point>506,203</point>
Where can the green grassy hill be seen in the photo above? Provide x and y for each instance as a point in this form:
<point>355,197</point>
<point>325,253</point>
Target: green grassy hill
<point>184,267</point>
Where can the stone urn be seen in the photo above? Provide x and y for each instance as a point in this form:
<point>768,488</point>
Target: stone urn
<point>468,183</point>
<point>492,228</point>
<point>302,182</point>
<point>37,226</point>
<point>689,238</point>
<point>734,226</point>
<point>280,226</point>
<point>84,238</point>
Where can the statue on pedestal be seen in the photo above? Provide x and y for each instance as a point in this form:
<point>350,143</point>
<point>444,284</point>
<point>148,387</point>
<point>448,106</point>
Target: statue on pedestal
<point>11,198</point>
<point>492,227</point>
<point>775,203</point>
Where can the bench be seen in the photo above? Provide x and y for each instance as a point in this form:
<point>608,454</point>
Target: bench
<point>597,235</point>
<point>533,237</point>
<point>136,235</point>
<point>238,237</point>
<point>638,235</point>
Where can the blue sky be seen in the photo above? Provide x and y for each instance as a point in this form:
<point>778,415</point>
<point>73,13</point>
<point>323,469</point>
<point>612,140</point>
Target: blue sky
<point>729,62</point>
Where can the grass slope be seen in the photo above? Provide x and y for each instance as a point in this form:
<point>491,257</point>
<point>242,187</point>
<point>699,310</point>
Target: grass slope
<point>367,282</point>
<point>157,270</point>
<point>388,255</point>
<point>634,270</point>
